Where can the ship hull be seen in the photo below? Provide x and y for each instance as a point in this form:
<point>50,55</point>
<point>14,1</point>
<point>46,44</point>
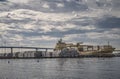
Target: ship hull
<point>97,53</point>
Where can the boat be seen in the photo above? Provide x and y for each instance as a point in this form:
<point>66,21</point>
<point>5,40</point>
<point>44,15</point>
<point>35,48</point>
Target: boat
<point>79,49</point>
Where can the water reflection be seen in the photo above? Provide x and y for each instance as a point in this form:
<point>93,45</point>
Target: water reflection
<point>65,68</point>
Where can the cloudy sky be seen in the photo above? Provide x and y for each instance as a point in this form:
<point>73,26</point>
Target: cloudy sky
<point>43,22</point>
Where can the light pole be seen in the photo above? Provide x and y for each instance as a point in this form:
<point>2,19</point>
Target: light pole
<point>19,45</point>
<point>5,45</point>
<point>1,42</point>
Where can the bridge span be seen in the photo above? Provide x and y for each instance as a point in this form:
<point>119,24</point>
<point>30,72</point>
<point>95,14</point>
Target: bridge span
<point>25,47</point>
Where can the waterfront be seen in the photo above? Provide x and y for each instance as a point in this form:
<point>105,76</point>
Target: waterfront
<point>60,68</point>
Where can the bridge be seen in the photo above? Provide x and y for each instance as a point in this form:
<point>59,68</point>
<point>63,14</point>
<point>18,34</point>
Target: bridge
<point>23,47</point>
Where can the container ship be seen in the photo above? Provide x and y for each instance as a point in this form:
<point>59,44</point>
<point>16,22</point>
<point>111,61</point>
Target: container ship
<point>79,49</point>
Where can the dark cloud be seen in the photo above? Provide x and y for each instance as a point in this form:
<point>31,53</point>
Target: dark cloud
<point>58,33</point>
<point>99,4</point>
<point>116,4</point>
<point>2,0</point>
<point>109,22</point>
<point>8,6</point>
<point>68,6</point>
<point>28,34</point>
<point>103,3</point>
<point>53,33</point>
<point>9,21</point>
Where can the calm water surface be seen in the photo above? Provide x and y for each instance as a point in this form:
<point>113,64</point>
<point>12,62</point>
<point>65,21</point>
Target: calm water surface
<point>60,68</point>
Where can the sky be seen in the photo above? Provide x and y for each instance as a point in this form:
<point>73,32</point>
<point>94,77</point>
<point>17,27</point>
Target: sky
<point>43,22</point>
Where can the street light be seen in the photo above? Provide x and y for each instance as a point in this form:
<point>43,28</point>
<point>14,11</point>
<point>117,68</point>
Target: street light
<point>5,45</point>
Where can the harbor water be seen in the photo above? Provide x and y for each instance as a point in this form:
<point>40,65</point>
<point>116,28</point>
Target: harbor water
<point>60,68</point>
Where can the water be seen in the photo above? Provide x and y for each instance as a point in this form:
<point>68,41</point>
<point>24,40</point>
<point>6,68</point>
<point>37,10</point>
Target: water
<point>60,68</point>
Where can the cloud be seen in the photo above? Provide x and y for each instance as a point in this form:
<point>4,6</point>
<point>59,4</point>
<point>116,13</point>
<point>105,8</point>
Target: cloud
<point>17,38</point>
<point>57,6</point>
<point>45,21</point>
<point>19,1</point>
<point>45,5</point>
<point>60,5</point>
<point>45,38</point>
<point>109,22</point>
<point>104,35</point>
<point>2,0</point>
